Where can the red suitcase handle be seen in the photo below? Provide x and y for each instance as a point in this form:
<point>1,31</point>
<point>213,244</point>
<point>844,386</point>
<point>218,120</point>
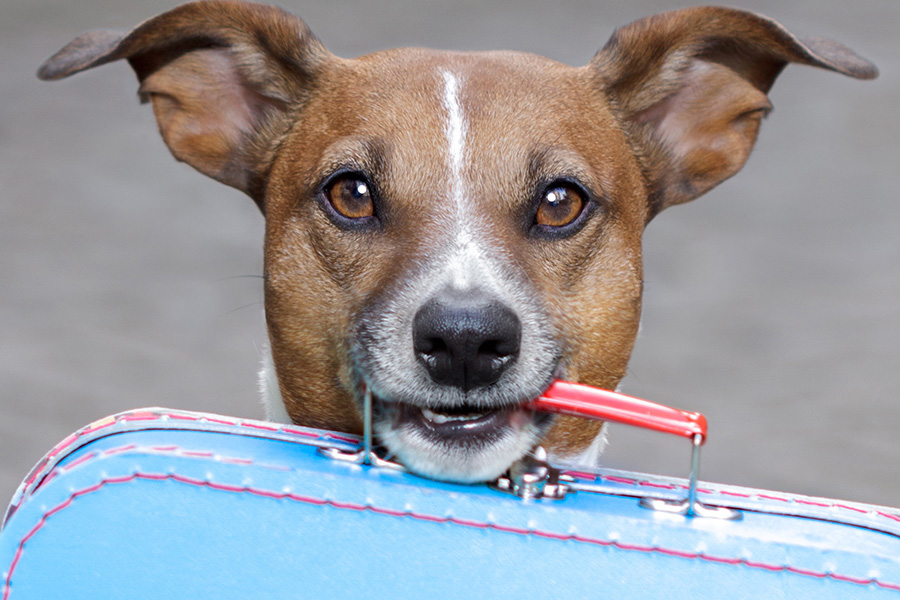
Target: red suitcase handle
<point>579,400</point>
<point>563,397</point>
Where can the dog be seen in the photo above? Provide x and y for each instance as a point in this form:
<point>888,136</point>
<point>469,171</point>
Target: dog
<point>451,232</point>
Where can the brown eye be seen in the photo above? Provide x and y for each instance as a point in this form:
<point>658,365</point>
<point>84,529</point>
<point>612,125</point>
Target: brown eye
<point>560,206</point>
<point>351,196</point>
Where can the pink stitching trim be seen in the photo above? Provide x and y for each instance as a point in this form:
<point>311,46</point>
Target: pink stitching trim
<point>144,415</point>
<point>786,499</point>
<point>169,448</point>
<point>853,508</point>
<point>176,417</point>
<point>140,416</point>
<point>261,426</point>
<point>418,516</point>
<point>81,459</point>
<point>770,497</point>
<point>221,421</point>
<point>198,454</point>
<point>737,494</point>
<point>299,432</point>
<point>119,449</point>
<point>341,438</point>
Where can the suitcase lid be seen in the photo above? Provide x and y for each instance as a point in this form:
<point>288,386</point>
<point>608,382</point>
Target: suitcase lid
<point>158,474</point>
<point>845,545</point>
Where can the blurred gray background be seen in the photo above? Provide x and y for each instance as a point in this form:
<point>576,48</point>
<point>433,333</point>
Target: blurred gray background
<point>771,303</point>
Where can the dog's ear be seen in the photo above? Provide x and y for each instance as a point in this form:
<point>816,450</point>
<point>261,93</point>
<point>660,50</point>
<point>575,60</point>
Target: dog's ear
<point>690,86</point>
<point>223,77</point>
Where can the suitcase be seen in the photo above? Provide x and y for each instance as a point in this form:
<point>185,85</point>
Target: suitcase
<point>160,503</point>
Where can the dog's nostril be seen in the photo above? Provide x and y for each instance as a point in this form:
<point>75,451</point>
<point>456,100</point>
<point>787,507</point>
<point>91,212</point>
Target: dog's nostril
<point>434,353</point>
<point>431,345</point>
<point>498,349</point>
<point>466,341</point>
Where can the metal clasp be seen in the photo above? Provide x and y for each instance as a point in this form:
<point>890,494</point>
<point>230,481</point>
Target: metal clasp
<point>367,454</point>
<point>690,506</point>
<point>532,477</point>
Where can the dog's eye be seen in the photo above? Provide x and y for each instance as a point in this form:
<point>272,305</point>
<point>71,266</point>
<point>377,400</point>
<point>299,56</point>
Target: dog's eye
<point>351,196</point>
<point>560,206</point>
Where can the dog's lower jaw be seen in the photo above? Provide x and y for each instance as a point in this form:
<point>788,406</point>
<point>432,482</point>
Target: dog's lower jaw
<point>464,461</point>
<point>442,461</point>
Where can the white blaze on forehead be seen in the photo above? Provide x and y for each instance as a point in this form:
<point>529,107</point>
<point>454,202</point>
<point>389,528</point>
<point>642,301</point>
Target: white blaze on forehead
<point>467,262</point>
<point>455,130</point>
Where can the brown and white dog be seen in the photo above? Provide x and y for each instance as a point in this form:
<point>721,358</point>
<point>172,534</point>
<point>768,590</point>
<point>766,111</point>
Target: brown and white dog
<point>453,231</point>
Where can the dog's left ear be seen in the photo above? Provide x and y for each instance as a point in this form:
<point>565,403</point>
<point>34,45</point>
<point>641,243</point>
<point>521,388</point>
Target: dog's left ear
<point>691,86</point>
<point>223,77</point>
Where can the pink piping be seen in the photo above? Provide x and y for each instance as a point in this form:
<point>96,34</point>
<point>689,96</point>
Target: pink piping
<point>763,496</point>
<point>263,493</point>
<point>139,415</point>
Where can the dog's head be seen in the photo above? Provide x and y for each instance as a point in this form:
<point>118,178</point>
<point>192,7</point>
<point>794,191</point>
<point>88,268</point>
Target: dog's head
<point>454,248</point>
<point>452,231</point>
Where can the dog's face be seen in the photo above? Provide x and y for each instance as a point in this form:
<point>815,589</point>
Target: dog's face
<point>450,232</point>
<point>453,259</point>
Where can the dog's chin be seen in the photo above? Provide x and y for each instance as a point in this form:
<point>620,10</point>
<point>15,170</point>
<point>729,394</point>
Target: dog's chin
<point>462,444</point>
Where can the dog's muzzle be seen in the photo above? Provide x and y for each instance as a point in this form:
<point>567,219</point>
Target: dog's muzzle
<point>465,421</point>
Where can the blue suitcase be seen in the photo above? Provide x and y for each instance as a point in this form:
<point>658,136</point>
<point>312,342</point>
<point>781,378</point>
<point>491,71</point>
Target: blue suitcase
<point>159,503</point>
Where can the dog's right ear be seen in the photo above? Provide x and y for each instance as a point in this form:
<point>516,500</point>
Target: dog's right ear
<point>222,77</point>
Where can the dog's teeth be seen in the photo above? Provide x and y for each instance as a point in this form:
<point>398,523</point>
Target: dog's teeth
<point>439,418</point>
<point>434,417</point>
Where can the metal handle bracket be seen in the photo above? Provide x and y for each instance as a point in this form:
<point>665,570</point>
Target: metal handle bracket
<point>580,400</point>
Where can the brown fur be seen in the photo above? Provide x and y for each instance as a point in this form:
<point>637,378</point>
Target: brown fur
<point>669,108</point>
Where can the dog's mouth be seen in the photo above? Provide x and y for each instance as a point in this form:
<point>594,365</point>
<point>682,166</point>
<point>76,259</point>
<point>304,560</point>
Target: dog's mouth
<point>464,443</point>
<point>464,425</point>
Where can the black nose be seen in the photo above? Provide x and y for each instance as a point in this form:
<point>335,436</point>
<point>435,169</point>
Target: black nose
<point>465,340</point>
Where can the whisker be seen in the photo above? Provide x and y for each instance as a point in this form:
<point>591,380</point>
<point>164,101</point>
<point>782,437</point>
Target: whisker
<point>241,308</point>
<point>240,277</point>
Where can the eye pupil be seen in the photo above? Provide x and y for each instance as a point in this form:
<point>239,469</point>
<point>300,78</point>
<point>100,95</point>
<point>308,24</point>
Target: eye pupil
<point>351,198</point>
<point>560,206</point>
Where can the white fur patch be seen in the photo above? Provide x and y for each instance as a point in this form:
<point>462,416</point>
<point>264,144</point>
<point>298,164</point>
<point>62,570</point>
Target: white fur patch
<point>455,131</point>
<point>269,390</point>
<point>467,263</point>
<point>455,463</point>
<point>589,458</point>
